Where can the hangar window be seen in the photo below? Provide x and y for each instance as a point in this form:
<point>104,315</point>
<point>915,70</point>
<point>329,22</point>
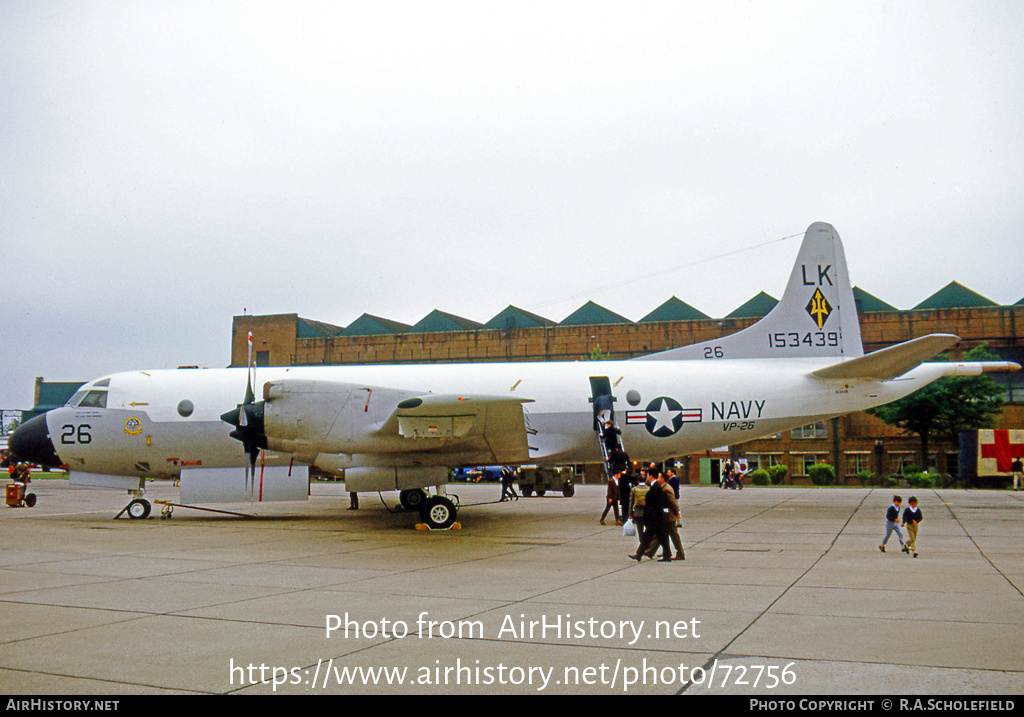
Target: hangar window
<point>811,430</point>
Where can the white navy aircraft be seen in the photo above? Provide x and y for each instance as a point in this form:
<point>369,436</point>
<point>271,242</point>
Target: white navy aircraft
<point>403,427</point>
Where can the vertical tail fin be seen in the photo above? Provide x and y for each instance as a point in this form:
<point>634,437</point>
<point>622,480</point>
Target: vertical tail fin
<point>817,316</point>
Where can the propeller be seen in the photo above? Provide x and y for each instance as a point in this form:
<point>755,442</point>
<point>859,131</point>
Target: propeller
<point>247,418</point>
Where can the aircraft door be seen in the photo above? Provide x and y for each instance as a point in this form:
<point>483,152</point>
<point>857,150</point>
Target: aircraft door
<point>602,399</point>
<point>613,453</point>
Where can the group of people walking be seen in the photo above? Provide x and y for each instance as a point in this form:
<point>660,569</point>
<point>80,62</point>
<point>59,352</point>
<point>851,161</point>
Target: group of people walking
<point>650,500</point>
<point>912,517</point>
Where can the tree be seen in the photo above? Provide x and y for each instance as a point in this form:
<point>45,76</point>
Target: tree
<point>8,426</point>
<point>596,354</point>
<point>946,407</point>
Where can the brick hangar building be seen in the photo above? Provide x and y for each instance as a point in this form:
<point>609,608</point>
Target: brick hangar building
<point>854,443</point>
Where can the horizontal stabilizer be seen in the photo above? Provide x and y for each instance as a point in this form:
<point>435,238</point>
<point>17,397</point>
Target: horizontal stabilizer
<point>888,363</point>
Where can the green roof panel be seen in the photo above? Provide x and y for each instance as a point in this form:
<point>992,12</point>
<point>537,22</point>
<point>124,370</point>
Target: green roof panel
<point>674,310</point>
<point>309,329</point>
<point>954,296</point>
<point>867,302</point>
<point>367,325</point>
<point>756,307</point>
<point>440,321</point>
<point>591,313</point>
<point>512,317</point>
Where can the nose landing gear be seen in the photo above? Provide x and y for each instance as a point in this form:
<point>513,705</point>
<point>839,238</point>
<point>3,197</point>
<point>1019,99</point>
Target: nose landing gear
<point>138,509</point>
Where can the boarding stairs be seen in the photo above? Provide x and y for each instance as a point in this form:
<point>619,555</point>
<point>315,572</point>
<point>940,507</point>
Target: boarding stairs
<point>613,453</point>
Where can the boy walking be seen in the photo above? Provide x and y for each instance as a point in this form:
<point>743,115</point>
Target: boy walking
<point>911,517</point>
<point>892,518</point>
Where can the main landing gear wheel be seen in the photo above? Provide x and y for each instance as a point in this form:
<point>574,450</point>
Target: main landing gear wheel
<point>412,499</point>
<point>138,509</point>
<point>438,512</point>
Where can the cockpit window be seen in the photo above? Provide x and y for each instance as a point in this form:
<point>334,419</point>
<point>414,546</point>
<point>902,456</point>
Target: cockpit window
<point>95,399</point>
<point>89,399</point>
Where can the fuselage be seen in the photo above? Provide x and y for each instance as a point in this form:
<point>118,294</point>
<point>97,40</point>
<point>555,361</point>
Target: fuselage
<point>155,423</point>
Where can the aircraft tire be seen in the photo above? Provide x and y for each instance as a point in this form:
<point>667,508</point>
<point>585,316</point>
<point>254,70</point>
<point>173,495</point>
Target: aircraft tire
<point>138,509</point>
<point>438,512</point>
<point>412,499</point>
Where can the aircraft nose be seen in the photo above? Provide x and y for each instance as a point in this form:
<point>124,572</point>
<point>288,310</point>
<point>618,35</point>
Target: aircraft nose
<point>31,442</point>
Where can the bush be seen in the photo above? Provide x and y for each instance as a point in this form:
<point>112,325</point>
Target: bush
<point>919,480</point>
<point>777,474</point>
<point>822,474</point>
<point>760,477</point>
<point>866,477</point>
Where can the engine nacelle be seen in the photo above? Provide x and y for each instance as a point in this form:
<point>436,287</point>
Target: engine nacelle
<point>306,418</point>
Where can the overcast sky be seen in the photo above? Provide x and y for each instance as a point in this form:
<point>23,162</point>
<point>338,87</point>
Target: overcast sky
<point>165,166</point>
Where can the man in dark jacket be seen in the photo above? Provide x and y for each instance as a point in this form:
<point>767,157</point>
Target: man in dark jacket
<point>655,528</point>
<point>670,517</point>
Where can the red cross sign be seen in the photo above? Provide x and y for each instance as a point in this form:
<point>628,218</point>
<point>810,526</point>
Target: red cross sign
<point>997,448</point>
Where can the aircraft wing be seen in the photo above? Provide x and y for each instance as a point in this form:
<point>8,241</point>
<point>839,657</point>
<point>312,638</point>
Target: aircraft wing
<point>312,417</point>
<point>888,363</point>
<point>494,424</point>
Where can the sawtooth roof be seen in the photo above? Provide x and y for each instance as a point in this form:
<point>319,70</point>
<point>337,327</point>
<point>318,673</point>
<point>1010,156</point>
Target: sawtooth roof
<point>438,320</point>
<point>674,309</point>
<point>954,295</point>
<point>512,317</point>
<point>309,329</point>
<point>868,302</point>
<point>756,307</point>
<point>591,313</point>
<point>368,325</point>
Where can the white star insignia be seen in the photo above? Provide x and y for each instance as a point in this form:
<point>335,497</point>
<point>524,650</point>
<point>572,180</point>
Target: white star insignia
<point>663,417</point>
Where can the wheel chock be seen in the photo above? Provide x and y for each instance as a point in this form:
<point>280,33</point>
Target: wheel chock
<point>454,526</point>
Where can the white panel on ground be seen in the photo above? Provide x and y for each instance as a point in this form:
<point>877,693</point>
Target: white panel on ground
<point>229,485</point>
<point>378,478</point>
<point>98,480</point>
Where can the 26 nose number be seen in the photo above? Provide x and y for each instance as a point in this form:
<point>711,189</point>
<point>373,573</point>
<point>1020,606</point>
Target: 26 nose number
<point>70,435</point>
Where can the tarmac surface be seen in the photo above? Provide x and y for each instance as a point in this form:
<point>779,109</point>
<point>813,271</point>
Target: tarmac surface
<point>783,592</point>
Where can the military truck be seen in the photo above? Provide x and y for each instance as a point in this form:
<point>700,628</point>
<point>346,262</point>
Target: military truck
<point>535,479</point>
